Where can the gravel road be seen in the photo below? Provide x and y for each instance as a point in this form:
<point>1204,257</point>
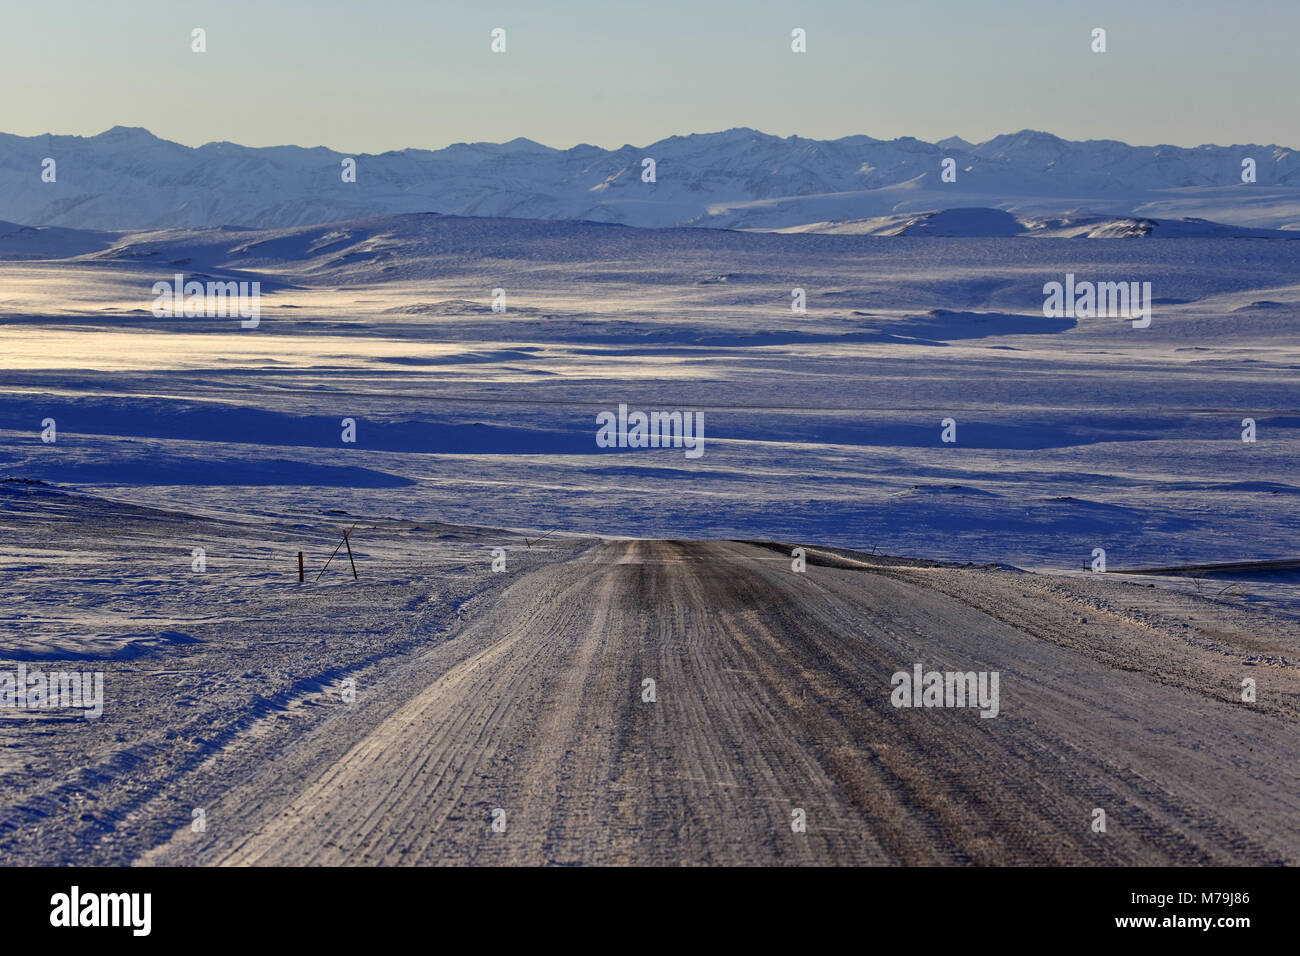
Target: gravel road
<point>771,707</point>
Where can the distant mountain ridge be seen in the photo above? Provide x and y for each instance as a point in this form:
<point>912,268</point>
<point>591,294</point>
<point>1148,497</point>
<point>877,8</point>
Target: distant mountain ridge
<point>129,179</point>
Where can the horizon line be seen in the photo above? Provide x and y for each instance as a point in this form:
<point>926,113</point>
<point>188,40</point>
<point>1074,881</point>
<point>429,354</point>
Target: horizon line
<point>584,145</point>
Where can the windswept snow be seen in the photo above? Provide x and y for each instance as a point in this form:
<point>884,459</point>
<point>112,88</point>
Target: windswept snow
<point>1072,434</point>
<point>161,475</point>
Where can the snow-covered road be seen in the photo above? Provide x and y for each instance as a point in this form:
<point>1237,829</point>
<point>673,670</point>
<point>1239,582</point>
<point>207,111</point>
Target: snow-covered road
<point>700,702</point>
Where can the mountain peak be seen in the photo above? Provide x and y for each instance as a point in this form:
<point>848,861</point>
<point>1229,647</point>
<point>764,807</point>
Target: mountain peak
<point>523,142</point>
<point>737,134</point>
<point>119,133</point>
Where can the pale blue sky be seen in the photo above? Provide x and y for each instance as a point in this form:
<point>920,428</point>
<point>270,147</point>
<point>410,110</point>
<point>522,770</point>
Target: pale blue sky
<point>386,74</point>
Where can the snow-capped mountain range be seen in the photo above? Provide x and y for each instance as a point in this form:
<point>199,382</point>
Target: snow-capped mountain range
<point>128,179</point>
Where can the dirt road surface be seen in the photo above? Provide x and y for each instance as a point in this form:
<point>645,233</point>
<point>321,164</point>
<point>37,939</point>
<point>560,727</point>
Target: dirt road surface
<point>772,694</point>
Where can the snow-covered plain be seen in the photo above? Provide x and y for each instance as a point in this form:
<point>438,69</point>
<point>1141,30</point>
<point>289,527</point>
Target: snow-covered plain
<point>476,430</point>
<point>1072,434</point>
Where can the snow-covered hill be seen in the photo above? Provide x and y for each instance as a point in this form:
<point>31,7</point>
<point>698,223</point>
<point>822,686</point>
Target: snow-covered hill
<point>126,178</point>
<point>425,246</point>
<point>992,223</point>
